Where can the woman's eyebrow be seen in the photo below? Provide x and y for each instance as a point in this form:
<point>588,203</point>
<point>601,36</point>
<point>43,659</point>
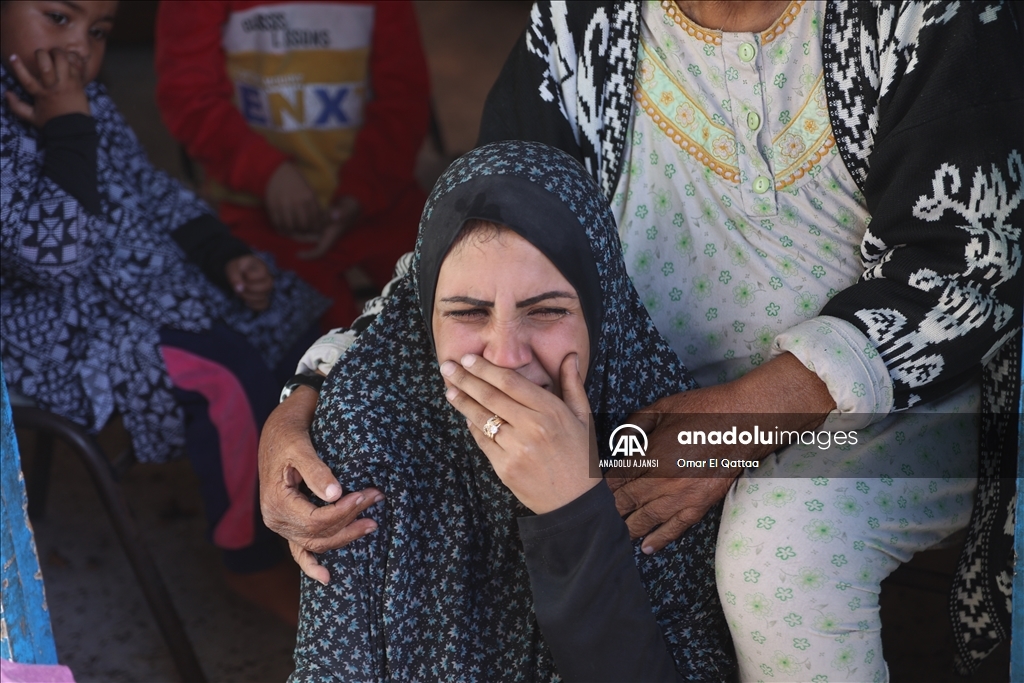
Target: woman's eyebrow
<point>543,297</point>
<point>556,294</point>
<point>467,300</point>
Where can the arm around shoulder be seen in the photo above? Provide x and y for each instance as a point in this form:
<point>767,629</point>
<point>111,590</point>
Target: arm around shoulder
<point>286,461</point>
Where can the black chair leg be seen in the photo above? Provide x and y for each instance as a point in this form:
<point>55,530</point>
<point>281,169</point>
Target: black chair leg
<point>145,569</point>
<point>39,485</point>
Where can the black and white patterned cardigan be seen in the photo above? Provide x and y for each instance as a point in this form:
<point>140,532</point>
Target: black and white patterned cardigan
<point>926,102</point>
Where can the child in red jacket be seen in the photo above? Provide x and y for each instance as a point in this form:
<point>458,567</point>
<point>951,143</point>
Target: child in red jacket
<point>307,119</point>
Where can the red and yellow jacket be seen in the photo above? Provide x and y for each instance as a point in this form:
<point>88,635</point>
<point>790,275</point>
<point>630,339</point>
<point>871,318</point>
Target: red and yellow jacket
<point>340,88</point>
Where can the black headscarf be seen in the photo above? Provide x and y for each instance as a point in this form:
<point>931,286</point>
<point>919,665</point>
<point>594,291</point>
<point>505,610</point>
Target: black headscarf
<point>527,209</point>
<point>440,590</point>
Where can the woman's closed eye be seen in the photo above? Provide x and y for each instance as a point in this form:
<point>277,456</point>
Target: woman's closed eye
<point>548,313</point>
<point>467,314</point>
<point>541,313</point>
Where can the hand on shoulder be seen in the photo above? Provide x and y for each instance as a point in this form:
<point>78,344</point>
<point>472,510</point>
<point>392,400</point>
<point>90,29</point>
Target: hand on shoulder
<point>287,460</point>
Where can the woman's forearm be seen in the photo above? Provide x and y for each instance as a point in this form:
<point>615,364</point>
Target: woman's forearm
<point>589,599</point>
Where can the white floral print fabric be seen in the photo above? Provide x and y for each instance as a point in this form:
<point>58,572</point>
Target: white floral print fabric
<point>800,559</point>
<point>724,263</point>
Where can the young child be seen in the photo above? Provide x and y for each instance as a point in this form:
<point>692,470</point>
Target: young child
<point>307,119</point>
<point>121,293</point>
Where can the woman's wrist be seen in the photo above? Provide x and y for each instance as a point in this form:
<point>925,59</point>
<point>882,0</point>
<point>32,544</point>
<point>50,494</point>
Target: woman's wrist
<point>784,386</point>
<point>847,361</point>
<point>313,382</point>
<point>569,516</point>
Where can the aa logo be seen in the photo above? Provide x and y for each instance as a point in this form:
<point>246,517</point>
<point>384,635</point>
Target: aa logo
<point>628,440</point>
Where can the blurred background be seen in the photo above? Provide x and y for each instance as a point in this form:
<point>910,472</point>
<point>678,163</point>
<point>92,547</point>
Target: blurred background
<point>102,626</point>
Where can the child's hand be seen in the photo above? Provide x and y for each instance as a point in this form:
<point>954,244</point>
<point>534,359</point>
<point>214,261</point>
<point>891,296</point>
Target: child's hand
<point>251,280</point>
<point>340,220</point>
<point>59,90</point>
<point>292,205</point>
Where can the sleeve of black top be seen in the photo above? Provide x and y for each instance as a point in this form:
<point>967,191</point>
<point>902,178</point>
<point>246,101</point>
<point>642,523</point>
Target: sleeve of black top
<point>590,602</point>
<point>69,157</point>
<point>210,245</point>
<point>513,110</point>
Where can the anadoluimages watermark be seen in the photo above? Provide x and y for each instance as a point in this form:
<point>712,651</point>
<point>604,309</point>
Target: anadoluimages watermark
<point>628,443</point>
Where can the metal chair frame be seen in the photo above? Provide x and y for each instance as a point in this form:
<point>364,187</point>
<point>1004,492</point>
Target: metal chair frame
<point>105,475</point>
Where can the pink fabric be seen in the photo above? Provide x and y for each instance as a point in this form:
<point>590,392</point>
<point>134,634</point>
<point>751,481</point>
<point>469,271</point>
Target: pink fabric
<point>231,414</point>
<point>13,672</point>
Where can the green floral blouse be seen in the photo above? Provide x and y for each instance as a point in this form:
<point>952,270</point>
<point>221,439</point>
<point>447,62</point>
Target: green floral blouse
<point>737,215</point>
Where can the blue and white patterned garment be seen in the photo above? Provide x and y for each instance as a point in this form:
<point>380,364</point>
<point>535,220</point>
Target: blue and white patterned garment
<point>84,294</point>
<point>440,591</point>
